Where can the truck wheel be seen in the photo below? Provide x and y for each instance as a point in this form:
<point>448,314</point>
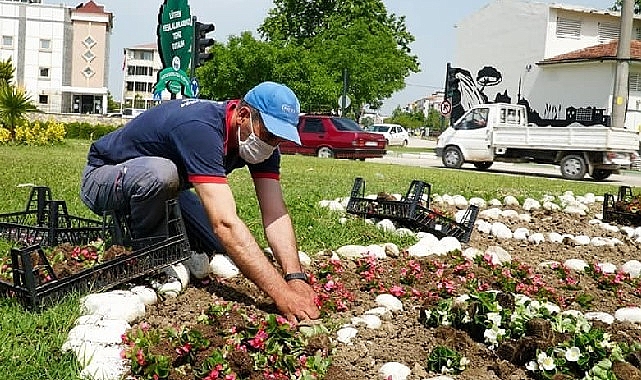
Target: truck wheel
<point>600,174</point>
<point>452,157</point>
<point>573,167</point>
<point>483,165</point>
<point>325,152</point>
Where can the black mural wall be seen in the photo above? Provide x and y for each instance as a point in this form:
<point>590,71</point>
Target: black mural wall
<point>464,91</point>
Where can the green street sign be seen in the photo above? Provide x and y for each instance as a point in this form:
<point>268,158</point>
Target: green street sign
<point>174,81</point>
<point>175,35</point>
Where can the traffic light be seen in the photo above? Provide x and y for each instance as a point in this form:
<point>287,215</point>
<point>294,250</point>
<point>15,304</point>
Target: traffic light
<point>201,42</point>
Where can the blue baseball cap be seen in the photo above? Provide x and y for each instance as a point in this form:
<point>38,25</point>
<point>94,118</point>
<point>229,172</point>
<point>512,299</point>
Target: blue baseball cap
<point>279,108</point>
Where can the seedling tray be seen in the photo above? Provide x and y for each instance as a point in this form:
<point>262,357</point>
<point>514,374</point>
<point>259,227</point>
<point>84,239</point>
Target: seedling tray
<point>29,263</point>
<point>47,222</point>
<point>412,211</point>
<point>624,209</point>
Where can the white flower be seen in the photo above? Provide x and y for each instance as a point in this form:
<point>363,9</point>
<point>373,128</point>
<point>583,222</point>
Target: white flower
<point>428,314</point>
<point>546,362</point>
<point>495,318</point>
<point>532,365</point>
<point>572,354</point>
<point>605,343</point>
<point>492,335</point>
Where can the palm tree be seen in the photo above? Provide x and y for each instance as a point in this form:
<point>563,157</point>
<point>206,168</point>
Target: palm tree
<point>14,103</point>
<point>6,71</point>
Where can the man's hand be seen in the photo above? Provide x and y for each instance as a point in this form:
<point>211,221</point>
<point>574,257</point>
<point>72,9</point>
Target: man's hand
<point>298,302</point>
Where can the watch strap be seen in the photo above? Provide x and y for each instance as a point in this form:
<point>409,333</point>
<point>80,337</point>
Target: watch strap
<point>296,276</point>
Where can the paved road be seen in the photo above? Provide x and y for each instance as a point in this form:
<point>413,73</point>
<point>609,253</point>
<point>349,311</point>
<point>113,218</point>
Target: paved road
<point>627,177</point>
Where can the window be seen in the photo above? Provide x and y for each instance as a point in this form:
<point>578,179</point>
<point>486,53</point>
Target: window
<point>7,41</point>
<point>313,125</point>
<point>568,28</point>
<point>608,32</point>
<point>45,45</point>
<point>89,56</point>
<point>89,42</point>
<point>88,72</point>
<point>634,81</point>
<point>43,99</point>
<point>44,72</point>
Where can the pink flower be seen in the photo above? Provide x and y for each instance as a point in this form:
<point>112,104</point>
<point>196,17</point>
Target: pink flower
<point>144,326</point>
<point>258,341</point>
<point>397,291</point>
<point>281,320</point>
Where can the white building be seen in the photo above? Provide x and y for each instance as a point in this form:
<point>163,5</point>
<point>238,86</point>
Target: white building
<point>60,54</point>
<point>559,58</point>
<point>141,66</point>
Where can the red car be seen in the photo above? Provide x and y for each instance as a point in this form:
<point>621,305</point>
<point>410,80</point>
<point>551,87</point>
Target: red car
<point>334,137</point>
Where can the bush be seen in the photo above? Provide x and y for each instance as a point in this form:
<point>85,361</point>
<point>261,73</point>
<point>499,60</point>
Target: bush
<point>88,131</point>
<point>39,133</point>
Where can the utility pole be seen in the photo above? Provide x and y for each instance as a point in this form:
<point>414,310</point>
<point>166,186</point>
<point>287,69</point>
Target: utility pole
<point>621,92</point>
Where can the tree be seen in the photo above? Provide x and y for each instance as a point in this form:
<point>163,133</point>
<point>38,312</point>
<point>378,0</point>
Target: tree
<point>6,71</point>
<point>307,44</point>
<point>619,3</point>
<point>14,104</point>
<point>409,120</point>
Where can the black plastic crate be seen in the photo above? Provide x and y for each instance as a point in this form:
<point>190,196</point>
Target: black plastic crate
<point>47,222</point>
<point>154,254</point>
<point>622,209</point>
<point>411,211</point>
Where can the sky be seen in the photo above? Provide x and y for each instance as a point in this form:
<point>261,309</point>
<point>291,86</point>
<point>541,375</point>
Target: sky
<point>432,22</point>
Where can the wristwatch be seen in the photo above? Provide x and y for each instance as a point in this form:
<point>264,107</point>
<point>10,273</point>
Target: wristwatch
<point>296,276</point>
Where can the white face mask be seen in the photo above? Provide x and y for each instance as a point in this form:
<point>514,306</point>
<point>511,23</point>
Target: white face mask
<point>253,150</point>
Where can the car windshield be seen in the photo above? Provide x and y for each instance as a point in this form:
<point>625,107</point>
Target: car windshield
<point>343,124</point>
<point>380,128</point>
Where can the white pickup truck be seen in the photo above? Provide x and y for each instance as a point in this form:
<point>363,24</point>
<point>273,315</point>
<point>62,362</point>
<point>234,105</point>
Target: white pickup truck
<point>501,132</point>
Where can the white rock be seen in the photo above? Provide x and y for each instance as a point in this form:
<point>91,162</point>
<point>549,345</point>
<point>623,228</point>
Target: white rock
<point>389,302</point>
<point>460,201</point>
<point>632,267</point>
<point>472,253</point>
<point>536,238</point>
<point>550,206</point>
<point>346,334</point>
<point>223,266</point>
<point>147,295</point>
<point>342,220</point>
<point>599,241</point>
<point>574,209</point>
<point>549,263</point>
<point>521,233</point>
<point>304,259</point>
<point>404,232</point>
<point>478,202</point>
<point>576,264</point>
<point>501,231</point>
<point>527,218</point>
<point>180,272</point>
<point>116,304</point>
<point>371,321</point>
<point>629,231</point>
<point>483,226</point>
<point>380,311</point>
<point>447,199</point>
<point>607,267</point>
<point>609,227</point>
<point>447,244</point>
<point>375,250</point>
<point>332,205</point>
<point>105,365</point>
<point>198,265</point>
<point>495,202</point>
<point>386,225</point>
<point>510,200</point>
<point>104,331</point>
<point>498,255</point>
<point>351,251</point>
<point>170,289</point>
<point>420,250</point>
<point>510,214</point>
<point>599,316</point>
<point>555,237</point>
<point>394,371</point>
<point>490,213</point>
<point>548,198</point>
<point>629,314</point>
<point>531,204</point>
<point>581,240</point>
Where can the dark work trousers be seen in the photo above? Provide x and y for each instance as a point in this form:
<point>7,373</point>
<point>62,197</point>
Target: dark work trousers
<point>139,189</point>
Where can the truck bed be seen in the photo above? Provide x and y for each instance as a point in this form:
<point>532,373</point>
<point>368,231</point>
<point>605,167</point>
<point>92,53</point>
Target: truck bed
<point>566,138</point>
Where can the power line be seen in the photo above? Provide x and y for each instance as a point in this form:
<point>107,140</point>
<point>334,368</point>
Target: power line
<point>423,85</point>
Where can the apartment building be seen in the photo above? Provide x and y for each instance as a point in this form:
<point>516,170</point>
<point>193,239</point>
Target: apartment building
<point>140,73</point>
<point>60,53</point>
<point>556,58</point>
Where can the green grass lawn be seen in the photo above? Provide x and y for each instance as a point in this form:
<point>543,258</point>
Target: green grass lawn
<point>31,342</point>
